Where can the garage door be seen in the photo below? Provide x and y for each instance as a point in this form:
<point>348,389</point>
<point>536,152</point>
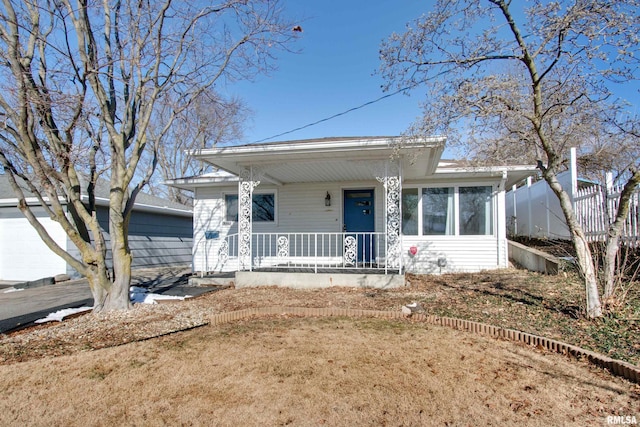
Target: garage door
<point>23,255</point>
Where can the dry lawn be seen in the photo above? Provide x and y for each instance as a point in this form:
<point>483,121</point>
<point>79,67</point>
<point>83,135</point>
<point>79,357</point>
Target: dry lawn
<point>105,370</point>
<point>312,372</point>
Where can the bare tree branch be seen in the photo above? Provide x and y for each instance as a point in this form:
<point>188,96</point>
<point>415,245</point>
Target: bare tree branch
<point>515,80</point>
<point>80,87</point>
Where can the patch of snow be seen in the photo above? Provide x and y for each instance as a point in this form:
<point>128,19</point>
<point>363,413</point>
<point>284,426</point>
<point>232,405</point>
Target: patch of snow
<point>140,295</point>
<point>137,294</point>
<point>6,291</point>
<point>59,315</point>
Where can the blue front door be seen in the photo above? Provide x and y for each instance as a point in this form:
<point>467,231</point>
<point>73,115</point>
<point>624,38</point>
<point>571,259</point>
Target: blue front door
<point>359,218</point>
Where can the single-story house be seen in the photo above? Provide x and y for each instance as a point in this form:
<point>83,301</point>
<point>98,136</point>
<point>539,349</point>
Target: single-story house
<point>160,233</point>
<point>367,204</point>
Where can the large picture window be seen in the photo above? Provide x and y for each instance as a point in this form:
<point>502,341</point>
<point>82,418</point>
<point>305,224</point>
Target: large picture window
<point>447,211</point>
<point>263,209</point>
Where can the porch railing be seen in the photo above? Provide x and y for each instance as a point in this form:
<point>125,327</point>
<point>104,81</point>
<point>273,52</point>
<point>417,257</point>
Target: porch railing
<point>315,251</point>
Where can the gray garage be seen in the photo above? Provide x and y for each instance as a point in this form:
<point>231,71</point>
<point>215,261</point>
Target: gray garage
<point>160,234</point>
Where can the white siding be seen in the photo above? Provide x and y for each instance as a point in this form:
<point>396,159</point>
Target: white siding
<point>461,253</point>
<point>23,254</point>
<point>300,208</point>
<point>208,214</point>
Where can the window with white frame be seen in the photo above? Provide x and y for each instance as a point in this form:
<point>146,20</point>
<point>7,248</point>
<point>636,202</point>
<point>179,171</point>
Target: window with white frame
<point>263,208</point>
<point>437,211</point>
<point>410,200</point>
<point>447,211</point>
<point>475,211</point>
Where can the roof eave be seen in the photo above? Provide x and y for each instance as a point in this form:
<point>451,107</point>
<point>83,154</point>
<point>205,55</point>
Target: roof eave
<point>191,183</point>
<point>514,173</point>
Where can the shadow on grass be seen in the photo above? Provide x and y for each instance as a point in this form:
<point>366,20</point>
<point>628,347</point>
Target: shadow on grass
<point>516,293</point>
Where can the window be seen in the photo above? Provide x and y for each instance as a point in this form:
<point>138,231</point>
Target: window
<point>231,206</point>
<point>475,211</point>
<point>263,209</point>
<point>437,211</point>
<point>447,211</point>
<point>410,200</point>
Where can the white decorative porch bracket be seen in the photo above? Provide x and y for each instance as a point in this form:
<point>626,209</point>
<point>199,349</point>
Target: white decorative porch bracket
<point>246,184</point>
<point>393,218</point>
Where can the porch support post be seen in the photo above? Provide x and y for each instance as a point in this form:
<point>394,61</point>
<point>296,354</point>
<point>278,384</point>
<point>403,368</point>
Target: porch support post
<point>393,214</point>
<point>246,184</point>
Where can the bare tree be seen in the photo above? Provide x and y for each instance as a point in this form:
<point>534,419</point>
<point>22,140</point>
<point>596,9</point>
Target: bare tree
<point>625,162</point>
<point>209,121</point>
<point>80,84</point>
<point>521,80</point>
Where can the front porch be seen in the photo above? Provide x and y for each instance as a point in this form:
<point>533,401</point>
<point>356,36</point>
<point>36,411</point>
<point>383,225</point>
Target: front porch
<point>301,261</point>
<point>348,252</point>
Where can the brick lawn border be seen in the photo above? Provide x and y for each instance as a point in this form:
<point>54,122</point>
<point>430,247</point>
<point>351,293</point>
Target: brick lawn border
<point>616,367</point>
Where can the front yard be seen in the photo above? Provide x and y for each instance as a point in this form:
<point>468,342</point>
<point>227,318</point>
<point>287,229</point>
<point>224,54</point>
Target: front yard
<point>550,306</point>
<point>130,368</point>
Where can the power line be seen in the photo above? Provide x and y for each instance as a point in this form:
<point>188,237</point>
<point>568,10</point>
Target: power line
<point>404,89</point>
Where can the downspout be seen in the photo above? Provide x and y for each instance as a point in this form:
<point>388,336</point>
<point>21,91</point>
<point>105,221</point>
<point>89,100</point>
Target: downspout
<point>501,232</point>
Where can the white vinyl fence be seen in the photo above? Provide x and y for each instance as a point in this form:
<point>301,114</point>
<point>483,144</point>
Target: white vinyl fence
<point>596,208</point>
<point>534,211</point>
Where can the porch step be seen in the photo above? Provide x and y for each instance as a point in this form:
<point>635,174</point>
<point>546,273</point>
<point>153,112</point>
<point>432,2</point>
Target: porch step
<point>247,279</point>
<point>217,280</point>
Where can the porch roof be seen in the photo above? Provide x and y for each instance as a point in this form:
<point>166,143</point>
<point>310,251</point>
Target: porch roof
<point>341,159</point>
<point>327,159</point>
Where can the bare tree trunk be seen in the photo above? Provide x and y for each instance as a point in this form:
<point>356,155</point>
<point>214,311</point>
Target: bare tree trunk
<point>587,268</point>
<point>583,253</point>
<point>100,286</point>
<point>118,298</point>
<point>119,295</point>
<point>614,232</point>
<point>609,264</point>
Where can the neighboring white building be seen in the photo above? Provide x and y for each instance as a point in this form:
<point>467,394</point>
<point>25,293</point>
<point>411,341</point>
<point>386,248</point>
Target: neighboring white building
<point>371,203</point>
<point>160,233</point>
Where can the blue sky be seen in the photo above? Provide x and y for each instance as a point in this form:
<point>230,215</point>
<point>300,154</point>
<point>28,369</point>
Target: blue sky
<point>333,72</point>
